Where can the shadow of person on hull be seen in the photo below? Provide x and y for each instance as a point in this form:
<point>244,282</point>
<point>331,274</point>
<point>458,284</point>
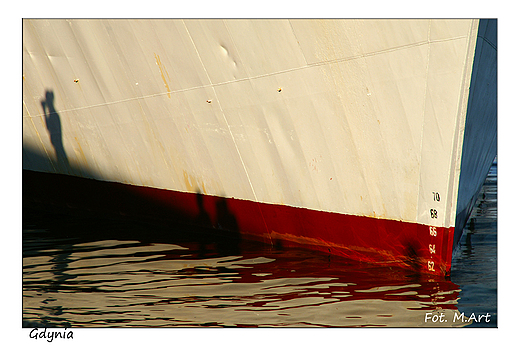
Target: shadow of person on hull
<point>228,226</point>
<point>53,124</point>
<point>222,238</point>
<point>35,155</point>
<point>204,221</point>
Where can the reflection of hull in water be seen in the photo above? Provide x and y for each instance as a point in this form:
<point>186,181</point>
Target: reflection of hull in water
<point>368,139</point>
<point>163,279</point>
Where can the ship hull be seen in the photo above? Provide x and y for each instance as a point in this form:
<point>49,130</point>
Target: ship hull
<point>367,139</point>
<point>228,221</point>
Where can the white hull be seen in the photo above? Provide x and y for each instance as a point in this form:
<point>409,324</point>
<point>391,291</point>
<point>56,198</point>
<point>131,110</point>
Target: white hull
<point>358,117</point>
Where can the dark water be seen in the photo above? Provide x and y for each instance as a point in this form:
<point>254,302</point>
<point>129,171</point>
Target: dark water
<point>96,272</point>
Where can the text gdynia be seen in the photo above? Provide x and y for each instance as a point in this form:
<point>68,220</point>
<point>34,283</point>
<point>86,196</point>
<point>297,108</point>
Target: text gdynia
<point>50,335</point>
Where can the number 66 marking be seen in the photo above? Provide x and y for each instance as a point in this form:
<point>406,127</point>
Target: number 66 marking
<point>433,231</point>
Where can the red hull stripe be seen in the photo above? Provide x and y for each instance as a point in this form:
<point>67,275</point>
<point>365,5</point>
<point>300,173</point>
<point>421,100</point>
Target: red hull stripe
<point>388,242</point>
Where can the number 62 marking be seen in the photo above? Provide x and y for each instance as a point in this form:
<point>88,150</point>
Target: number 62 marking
<point>430,266</point>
